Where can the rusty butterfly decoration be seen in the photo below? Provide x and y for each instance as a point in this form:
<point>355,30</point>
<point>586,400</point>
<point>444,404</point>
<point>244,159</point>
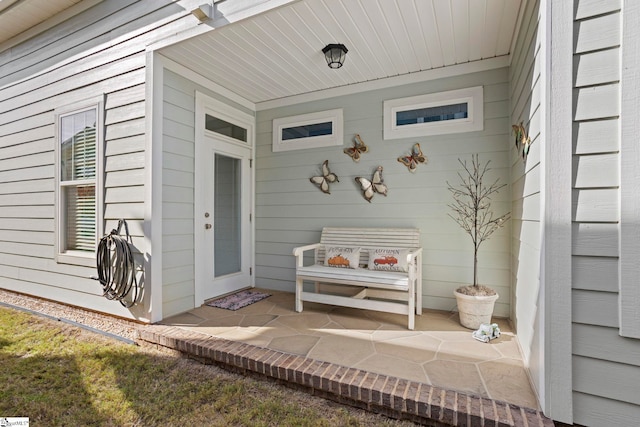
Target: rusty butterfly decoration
<point>375,185</point>
<point>523,142</point>
<point>414,159</point>
<point>358,148</point>
<point>325,179</point>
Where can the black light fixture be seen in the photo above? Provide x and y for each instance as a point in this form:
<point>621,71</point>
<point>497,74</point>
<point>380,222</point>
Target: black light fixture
<point>335,54</point>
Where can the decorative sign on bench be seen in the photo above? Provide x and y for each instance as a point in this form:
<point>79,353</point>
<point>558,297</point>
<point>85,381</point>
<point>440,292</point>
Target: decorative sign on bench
<point>381,268</point>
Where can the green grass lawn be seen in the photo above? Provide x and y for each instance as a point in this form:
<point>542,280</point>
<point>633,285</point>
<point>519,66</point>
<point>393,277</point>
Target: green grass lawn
<point>60,375</point>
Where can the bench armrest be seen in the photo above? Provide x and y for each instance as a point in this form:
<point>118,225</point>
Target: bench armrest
<point>414,254</point>
<point>300,250</point>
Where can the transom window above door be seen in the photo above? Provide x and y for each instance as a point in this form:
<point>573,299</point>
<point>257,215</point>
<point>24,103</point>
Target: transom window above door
<point>223,127</point>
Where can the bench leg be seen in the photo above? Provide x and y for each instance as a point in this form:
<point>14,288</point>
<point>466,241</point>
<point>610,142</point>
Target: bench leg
<point>411,312</point>
<point>298,295</point>
<point>419,298</point>
<point>419,284</point>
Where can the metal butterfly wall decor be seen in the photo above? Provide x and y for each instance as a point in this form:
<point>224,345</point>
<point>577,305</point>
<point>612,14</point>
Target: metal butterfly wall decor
<point>327,177</point>
<point>358,148</point>
<point>412,160</point>
<point>375,185</point>
<point>523,142</point>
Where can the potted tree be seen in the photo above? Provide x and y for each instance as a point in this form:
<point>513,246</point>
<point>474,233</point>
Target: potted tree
<point>472,211</point>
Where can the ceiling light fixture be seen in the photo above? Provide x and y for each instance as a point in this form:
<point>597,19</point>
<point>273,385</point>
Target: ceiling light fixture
<point>335,54</point>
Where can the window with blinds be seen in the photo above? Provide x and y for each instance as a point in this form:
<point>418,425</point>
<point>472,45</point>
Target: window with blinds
<point>78,151</point>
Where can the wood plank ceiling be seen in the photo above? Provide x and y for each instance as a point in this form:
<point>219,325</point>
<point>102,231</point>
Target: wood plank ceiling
<point>278,53</point>
<point>17,16</point>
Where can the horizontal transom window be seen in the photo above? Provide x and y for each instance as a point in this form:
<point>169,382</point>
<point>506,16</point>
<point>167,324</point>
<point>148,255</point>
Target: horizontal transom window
<point>223,127</point>
<point>454,111</point>
<point>432,114</point>
<point>307,131</point>
<point>320,129</point>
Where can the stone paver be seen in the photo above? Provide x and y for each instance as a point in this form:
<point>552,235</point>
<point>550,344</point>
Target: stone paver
<point>395,397</point>
<point>367,357</point>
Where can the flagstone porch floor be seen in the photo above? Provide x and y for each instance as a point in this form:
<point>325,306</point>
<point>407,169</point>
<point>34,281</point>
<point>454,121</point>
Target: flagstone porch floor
<point>439,352</point>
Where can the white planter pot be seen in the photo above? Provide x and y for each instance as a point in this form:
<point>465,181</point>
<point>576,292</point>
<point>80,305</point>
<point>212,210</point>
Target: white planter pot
<point>475,310</point>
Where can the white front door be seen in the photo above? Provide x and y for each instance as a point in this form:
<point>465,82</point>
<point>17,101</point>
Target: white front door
<point>223,207</point>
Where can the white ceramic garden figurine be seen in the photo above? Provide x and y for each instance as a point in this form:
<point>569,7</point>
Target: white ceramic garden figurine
<point>487,332</point>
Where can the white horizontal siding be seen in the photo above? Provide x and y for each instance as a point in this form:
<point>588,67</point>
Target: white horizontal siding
<point>177,191</point>
<point>98,52</point>
<point>600,342</point>
<point>595,308</point>
<point>595,273</point>
<point>590,8</point>
<point>178,175</point>
<point>595,239</point>
<point>605,365</point>
<point>525,92</point>
<point>595,205</point>
<point>597,102</point>
<point>591,410</point>
<point>629,170</point>
<point>603,378</point>
<point>597,67</point>
<point>598,136</point>
<point>597,32</point>
<point>596,149</point>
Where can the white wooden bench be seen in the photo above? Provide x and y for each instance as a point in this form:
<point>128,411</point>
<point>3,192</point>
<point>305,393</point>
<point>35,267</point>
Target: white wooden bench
<point>388,291</point>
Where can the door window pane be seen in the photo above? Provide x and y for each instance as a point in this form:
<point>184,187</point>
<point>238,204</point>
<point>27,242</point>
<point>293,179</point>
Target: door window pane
<point>227,215</point>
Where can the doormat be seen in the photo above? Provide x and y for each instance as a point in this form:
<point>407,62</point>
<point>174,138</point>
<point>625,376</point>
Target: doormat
<point>239,300</point>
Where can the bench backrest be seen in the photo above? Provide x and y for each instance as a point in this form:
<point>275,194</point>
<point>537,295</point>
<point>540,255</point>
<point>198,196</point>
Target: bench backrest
<point>367,238</point>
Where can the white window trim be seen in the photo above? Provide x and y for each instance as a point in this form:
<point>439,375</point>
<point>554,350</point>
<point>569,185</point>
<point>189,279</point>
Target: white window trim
<point>79,257</point>
<point>629,242</point>
<point>473,96</point>
<point>220,110</point>
<point>335,138</point>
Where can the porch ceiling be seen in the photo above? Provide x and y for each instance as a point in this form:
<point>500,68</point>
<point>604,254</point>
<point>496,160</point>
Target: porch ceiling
<point>278,54</point>
<point>17,16</point>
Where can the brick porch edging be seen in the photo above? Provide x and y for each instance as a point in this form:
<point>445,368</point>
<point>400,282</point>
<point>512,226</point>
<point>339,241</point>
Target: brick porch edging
<point>395,397</point>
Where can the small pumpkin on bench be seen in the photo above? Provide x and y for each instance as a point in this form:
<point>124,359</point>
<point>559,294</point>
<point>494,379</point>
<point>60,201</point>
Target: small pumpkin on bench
<point>342,256</point>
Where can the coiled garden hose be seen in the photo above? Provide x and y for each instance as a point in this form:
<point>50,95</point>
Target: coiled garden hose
<point>116,266</point>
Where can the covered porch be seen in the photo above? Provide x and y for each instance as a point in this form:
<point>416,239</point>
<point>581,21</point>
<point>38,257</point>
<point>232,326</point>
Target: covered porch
<point>271,67</point>
<point>373,349</point>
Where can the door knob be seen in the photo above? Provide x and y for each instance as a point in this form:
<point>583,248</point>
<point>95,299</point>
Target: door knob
<point>207,226</point>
